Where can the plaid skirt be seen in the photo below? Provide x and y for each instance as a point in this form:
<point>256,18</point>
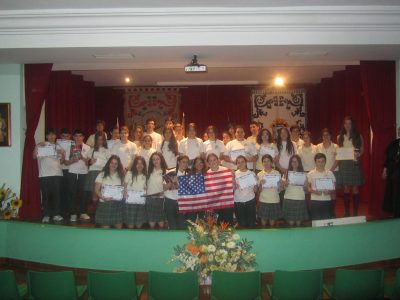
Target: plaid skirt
<point>270,211</point>
<point>90,181</point>
<point>294,210</point>
<point>155,209</point>
<point>109,213</point>
<point>350,173</point>
<point>135,214</point>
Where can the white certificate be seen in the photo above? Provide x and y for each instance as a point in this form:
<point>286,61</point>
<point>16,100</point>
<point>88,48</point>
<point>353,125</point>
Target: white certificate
<point>135,197</point>
<point>345,153</point>
<point>266,150</point>
<point>65,144</point>
<point>246,181</point>
<point>116,192</point>
<point>235,153</point>
<point>297,178</point>
<point>44,151</point>
<point>324,184</point>
<point>271,181</point>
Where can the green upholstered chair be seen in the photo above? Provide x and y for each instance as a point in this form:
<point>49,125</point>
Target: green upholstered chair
<point>113,286</point>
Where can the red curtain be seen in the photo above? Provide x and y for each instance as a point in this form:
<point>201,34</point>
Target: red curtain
<point>70,103</point>
<point>217,105</point>
<point>110,106</point>
<point>37,78</point>
<point>379,90</point>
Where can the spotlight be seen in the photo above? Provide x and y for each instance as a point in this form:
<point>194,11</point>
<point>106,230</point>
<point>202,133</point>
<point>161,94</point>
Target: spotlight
<point>127,79</point>
<point>279,81</point>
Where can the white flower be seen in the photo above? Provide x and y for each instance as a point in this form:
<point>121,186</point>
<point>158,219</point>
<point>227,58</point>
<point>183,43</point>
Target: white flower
<point>236,237</point>
<point>211,248</point>
<point>230,245</point>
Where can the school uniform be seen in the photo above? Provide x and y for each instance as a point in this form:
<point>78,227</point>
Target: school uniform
<point>307,155</point>
<point>217,147</point>
<point>77,173</point>
<point>294,206</point>
<point>135,213</point>
<point>284,156</point>
<point>245,202</point>
<point>176,220</point>
<point>146,153</point>
<point>109,212</point>
<point>50,176</point>
<point>235,145</point>
<point>270,208</point>
<point>350,171</point>
<point>91,140</point>
<point>101,155</point>
<point>155,197</point>
<point>192,148</point>
<point>265,149</point>
<point>64,188</point>
<point>252,139</point>
<point>320,207</point>
<point>169,156</point>
<point>125,151</point>
<point>298,143</point>
<point>111,143</point>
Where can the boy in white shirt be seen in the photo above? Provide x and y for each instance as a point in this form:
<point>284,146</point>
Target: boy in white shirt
<point>100,126</point>
<point>150,127</point>
<point>295,135</point>
<point>77,160</point>
<point>125,149</point>
<point>254,129</point>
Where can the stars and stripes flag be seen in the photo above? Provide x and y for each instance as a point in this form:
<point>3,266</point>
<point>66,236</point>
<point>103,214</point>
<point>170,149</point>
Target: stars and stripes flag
<point>214,190</point>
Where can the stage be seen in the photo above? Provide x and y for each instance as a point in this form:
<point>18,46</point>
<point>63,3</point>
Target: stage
<point>144,250</point>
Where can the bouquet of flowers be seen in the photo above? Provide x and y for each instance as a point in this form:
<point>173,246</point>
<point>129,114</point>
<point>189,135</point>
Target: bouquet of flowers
<point>9,203</point>
<point>213,247</point>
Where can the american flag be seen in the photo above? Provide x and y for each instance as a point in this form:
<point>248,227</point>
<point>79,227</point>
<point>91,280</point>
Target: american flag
<point>216,192</point>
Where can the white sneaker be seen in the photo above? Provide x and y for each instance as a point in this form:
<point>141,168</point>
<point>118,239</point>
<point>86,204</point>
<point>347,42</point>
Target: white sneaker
<point>73,218</point>
<point>85,217</point>
<point>58,218</point>
<point>46,219</point>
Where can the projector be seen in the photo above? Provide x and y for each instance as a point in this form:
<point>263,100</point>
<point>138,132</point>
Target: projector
<point>195,67</point>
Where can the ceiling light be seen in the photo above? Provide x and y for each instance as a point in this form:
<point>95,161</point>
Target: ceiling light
<point>279,81</point>
<point>127,80</point>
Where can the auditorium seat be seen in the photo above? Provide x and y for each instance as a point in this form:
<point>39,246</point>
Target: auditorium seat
<point>296,285</point>
<point>113,286</point>
<point>393,289</point>
<point>236,286</point>
<point>9,290</point>
<point>173,286</point>
<point>357,285</point>
<point>53,285</point>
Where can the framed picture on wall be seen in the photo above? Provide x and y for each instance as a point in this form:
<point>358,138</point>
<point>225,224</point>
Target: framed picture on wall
<point>5,124</point>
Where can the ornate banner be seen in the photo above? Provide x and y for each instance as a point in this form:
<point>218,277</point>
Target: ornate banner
<point>276,108</point>
<point>152,102</point>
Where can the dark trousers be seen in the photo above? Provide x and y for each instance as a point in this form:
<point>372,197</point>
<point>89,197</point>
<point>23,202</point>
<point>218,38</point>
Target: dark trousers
<point>76,184</point>
<point>246,213</point>
<point>50,188</point>
<point>225,215</point>
<point>64,190</point>
<point>176,220</point>
<point>321,210</point>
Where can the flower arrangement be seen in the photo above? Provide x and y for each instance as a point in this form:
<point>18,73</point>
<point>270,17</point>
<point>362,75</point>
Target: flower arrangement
<point>9,203</point>
<point>214,247</point>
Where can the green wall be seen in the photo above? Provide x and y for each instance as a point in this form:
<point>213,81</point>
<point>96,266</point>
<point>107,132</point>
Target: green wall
<point>11,91</point>
<point>144,250</point>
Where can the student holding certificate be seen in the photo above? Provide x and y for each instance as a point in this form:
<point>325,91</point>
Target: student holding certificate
<point>294,202</point>
<point>264,146</point>
<point>321,185</point>
<point>109,191</point>
<point>245,194</point>
<point>98,156</point>
<point>155,190</point>
<point>50,175</point>
<point>135,214</point>
<point>350,172</point>
<point>269,181</point>
<point>240,146</point>
<point>176,220</point>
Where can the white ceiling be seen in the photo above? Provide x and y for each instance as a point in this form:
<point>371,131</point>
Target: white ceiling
<point>66,4</point>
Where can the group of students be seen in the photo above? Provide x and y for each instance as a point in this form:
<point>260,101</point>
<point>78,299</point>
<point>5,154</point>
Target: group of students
<point>137,164</point>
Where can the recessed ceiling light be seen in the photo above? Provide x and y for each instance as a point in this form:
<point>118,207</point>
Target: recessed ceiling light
<point>114,56</point>
<point>127,80</point>
<point>279,81</point>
